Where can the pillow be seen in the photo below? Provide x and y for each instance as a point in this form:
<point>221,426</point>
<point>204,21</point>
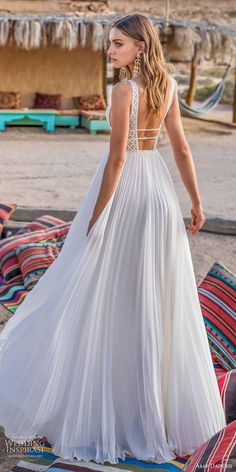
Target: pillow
<point>216,454</point>
<point>60,242</point>
<point>9,100</point>
<point>94,114</point>
<point>34,259</point>
<point>218,369</point>
<point>9,265</point>
<point>227,387</point>
<point>90,102</point>
<point>6,209</point>
<point>217,295</point>
<point>42,222</point>
<point>43,100</point>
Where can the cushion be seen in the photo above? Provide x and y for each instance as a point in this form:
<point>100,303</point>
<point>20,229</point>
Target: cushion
<point>218,369</point>
<point>216,454</point>
<point>90,102</point>
<point>73,111</point>
<point>9,265</point>
<point>94,114</point>
<point>42,222</point>
<point>227,387</point>
<point>6,209</point>
<point>34,259</point>
<point>45,101</point>
<point>60,242</point>
<point>9,100</point>
<point>217,295</point>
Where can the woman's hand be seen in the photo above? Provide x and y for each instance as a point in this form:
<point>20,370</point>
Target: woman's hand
<point>198,219</point>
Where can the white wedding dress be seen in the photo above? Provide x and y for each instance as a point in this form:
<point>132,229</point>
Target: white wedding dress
<point>108,355</point>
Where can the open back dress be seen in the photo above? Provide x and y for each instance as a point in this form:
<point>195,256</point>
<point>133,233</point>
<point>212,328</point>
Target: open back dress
<point>108,355</point>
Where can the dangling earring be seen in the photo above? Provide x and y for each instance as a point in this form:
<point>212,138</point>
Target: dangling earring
<point>123,73</point>
<point>137,68</point>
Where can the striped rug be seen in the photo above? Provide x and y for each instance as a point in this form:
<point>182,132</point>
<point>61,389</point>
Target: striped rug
<point>11,295</point>
<point>40,458</point>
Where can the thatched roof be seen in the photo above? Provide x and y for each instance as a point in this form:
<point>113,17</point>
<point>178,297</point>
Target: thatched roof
<point>181,39</point>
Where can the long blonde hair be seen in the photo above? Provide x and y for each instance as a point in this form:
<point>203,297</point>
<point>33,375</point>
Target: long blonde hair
<point>154,68</point>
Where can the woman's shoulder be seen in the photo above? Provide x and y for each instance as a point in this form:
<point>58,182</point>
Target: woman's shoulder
<point>121,86</point>
<point>121,90</point>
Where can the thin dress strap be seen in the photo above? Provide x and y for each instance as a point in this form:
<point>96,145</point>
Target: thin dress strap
<point>132,136</point>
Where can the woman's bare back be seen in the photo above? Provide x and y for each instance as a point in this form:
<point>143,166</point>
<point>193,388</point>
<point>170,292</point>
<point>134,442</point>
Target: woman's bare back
<point>148,123</point>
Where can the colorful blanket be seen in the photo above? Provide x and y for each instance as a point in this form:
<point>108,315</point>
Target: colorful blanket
<point>11,295</point>
<point>40,458</point>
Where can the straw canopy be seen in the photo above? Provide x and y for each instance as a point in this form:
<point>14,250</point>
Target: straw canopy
<point>206,43</point>
<point>181,39</point>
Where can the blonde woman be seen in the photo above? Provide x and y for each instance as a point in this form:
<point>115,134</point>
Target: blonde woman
<point>108,355</point>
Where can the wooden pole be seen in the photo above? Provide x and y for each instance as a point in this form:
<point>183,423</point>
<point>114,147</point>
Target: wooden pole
<point>104,75</point>
<point>234,98</point>
<point>193,77</point>
<point>167,12</point>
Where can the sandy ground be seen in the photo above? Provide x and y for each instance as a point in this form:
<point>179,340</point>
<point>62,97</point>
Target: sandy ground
<point>55,171</point>
<point>220,12</point>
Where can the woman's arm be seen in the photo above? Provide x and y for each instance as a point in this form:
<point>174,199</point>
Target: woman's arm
<point>185,163</point>
<point>120,99</point>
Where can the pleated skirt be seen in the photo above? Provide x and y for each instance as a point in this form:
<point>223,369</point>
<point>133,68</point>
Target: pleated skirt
<point>108,354</point>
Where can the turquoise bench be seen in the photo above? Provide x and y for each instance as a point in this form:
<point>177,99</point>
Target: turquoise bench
<point>94,120</point>
<point>48,118</point>
<point>67,119</point>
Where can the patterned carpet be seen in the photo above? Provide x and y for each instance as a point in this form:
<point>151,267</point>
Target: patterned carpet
<point>40,458</point>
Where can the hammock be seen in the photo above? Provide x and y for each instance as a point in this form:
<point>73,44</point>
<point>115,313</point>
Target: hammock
<point>210,103</point>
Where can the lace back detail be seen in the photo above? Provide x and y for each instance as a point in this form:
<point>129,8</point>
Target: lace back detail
<point>132,143</point>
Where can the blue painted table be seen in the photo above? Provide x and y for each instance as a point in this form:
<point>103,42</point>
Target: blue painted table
<point>46,117</point>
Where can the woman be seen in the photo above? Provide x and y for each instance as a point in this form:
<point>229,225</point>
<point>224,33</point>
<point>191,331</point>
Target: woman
<point>108,355</point>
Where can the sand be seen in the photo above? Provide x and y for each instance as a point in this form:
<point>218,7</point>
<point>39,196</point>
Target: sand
<point>54,171</point>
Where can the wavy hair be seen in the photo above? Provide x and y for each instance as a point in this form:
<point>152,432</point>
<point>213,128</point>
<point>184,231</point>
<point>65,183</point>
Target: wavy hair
<point>154,68</point>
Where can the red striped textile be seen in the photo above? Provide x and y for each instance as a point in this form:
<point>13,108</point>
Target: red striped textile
<point>218,454</point>
<point>6,209</point>
<point>42,222</point>
<point>217,295</point>
<point>227,387</point>
<point>9,265</point>
<point>34,259</point>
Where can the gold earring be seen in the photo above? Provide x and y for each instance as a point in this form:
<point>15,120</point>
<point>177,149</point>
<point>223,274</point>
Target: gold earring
<point>137,68</point>
<point>123,73</point>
